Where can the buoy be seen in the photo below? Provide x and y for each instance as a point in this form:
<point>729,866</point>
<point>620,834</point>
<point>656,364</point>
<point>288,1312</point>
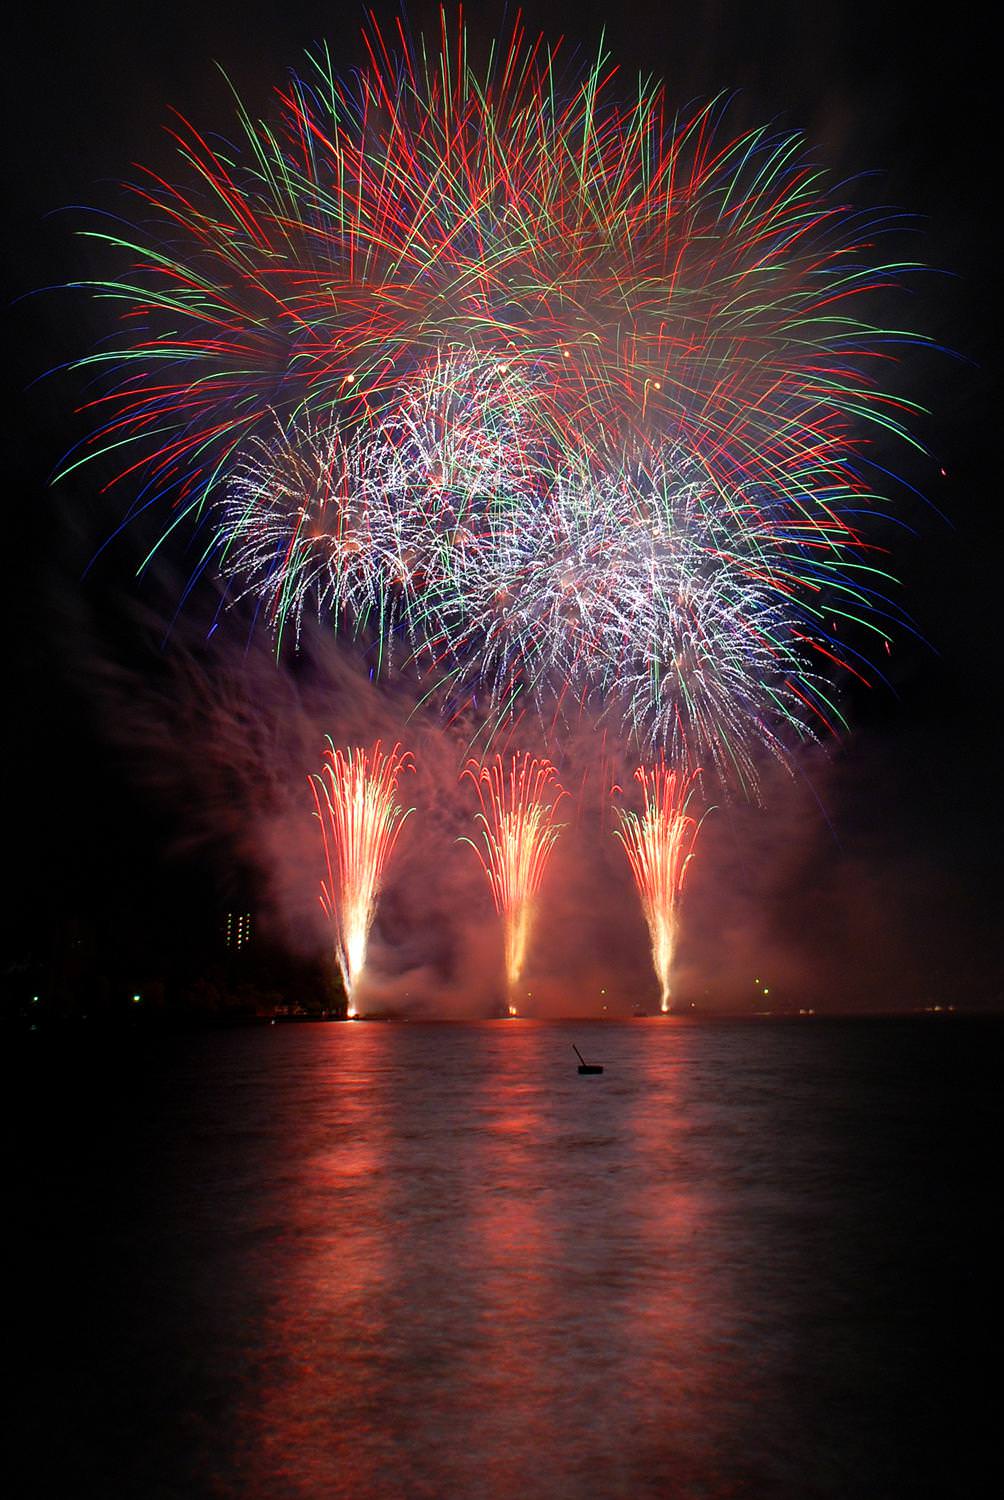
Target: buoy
<point>585,1067</point>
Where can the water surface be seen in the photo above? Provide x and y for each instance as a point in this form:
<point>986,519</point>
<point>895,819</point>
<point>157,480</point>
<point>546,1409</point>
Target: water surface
<point>427,1260</point>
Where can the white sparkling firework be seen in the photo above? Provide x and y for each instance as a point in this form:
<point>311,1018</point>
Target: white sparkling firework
<point>453,537</point>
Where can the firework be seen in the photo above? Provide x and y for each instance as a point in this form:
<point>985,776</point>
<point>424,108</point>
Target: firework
<point>660,845</point>
<point>518,831</point>
<point>355,798</point>
<point>541,390</point>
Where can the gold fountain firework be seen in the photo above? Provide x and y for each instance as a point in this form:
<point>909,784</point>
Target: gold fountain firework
<point>518,831</point>
<point>356,799</point>
<point>660,844</point>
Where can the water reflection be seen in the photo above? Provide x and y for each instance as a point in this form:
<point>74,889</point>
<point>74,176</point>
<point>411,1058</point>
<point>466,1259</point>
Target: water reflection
<point>494,1273</point>
<point>433,1261</point>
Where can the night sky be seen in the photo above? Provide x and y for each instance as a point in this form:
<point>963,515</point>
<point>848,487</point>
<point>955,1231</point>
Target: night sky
<point>891,898</point>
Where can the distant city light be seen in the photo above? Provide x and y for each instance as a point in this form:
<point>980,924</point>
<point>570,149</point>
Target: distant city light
<point>238,929</point>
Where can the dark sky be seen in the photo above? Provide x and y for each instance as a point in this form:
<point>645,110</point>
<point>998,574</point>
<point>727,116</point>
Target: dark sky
<point>914,798</point>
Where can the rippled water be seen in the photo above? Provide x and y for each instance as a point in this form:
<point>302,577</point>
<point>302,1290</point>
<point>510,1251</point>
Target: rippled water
<point>431,1260</point>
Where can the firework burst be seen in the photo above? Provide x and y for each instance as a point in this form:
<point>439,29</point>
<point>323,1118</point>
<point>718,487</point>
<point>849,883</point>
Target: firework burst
<point>355,796</point>
<point>660,844</point>
<point>518,831</point>
<point>527,382</point>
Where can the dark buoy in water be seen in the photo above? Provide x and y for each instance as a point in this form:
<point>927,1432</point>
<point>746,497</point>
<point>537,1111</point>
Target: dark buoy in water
<point>585,1067</point>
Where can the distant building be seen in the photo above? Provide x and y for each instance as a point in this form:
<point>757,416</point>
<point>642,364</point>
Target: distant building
<point>237,929</point>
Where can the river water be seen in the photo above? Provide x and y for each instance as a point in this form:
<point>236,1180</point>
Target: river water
<point>420,1260</point>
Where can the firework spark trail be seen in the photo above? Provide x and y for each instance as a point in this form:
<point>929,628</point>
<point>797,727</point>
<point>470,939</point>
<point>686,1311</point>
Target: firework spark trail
<point>355,795</point>
<point>518,831</point>
<point>433,326</point>
<point>660,844</point>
